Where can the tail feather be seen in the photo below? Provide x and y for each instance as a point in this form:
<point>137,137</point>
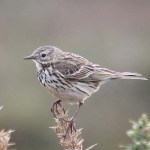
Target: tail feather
<point>129,75</point>
<point>105,74</point>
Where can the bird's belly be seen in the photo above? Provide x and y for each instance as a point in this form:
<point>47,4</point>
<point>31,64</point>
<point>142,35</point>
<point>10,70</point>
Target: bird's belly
<point>65,95</point>
<point>67,90</point>
<point>60,91</point>
<point>76,93</point>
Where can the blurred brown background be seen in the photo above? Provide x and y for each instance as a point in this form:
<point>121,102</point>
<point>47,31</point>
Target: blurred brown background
<point>113,33</point>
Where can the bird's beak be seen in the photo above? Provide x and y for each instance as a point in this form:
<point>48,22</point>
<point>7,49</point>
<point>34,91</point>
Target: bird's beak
<point>29,57</point>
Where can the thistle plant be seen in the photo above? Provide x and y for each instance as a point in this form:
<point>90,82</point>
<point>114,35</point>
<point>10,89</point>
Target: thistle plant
<point>73,140</point>
<point>5,138</point>
<point>139,134</point>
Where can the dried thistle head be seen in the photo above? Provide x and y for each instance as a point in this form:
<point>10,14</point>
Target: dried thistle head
<point>73,140</point>
<point>4,139</point>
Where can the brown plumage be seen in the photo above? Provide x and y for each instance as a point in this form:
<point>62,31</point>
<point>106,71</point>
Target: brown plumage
<point>70,77</point>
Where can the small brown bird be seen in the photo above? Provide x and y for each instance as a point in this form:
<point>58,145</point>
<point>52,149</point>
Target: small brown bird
<point>70,77</point>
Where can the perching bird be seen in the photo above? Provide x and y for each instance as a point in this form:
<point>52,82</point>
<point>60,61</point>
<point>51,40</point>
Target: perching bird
<point>70,77</point>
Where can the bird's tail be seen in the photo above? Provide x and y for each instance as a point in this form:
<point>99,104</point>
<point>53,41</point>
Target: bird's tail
<point>105,74</point>
<point>129,75</point>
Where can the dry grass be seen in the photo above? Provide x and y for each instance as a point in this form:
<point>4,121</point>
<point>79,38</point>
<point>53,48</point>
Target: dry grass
<point>73,140</point>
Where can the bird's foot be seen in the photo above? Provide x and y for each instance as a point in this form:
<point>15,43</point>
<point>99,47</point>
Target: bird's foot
<point>55,108</point>
<point>70,127</point>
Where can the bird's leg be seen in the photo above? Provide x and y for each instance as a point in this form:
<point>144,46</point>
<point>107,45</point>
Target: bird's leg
<point>71,126</point>
<point>54,108</point>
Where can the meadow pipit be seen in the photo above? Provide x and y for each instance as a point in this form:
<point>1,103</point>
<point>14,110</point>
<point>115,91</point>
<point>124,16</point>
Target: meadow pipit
<point>70,77</point>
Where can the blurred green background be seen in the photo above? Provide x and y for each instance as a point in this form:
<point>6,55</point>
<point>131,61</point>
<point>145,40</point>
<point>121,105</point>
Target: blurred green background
<point>112,33</point>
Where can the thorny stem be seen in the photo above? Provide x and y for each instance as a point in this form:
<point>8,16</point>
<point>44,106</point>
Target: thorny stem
<point>73,140</point>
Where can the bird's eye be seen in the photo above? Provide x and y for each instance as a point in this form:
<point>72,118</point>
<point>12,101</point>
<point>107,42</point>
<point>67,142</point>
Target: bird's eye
<point>43,55</point>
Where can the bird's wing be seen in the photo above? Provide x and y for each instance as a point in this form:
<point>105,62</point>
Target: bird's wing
<point>73,66</point>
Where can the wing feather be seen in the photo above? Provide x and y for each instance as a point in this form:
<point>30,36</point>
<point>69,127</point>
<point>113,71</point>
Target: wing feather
<point>74,67</point>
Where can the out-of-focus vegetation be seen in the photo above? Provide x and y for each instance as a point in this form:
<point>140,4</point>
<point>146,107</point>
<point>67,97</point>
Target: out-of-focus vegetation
<point>140,134</point>
<point>114,34</point>
<point>5,138</point>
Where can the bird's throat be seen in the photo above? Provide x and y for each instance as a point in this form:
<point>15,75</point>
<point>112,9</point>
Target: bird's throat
<point>47,65</point>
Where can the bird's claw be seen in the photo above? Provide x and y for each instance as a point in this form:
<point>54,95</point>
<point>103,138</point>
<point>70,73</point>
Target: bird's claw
<point>54,108</point>
<point>70,127</point>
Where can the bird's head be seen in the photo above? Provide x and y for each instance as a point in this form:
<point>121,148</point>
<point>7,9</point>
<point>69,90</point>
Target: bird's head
<point>44,55</point>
